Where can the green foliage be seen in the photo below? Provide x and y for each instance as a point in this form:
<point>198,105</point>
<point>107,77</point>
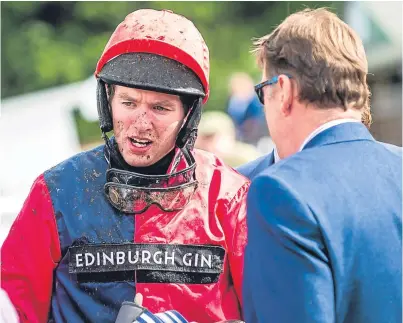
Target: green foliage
<point>45,44</point>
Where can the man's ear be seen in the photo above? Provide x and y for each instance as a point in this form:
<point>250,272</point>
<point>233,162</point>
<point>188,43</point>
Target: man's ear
<point>286,94</point>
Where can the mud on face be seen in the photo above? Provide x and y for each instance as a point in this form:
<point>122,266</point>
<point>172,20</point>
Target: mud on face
<point>146,124</point>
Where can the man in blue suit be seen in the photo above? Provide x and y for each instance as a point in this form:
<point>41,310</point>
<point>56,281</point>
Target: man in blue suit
<point>325,221</point>
<point>253,168</point>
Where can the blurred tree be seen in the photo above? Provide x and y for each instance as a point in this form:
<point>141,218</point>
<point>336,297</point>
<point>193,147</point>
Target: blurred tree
<point>45,44</point>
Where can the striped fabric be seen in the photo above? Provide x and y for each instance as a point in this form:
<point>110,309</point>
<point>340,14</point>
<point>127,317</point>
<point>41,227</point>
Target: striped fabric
<point>164,317</point>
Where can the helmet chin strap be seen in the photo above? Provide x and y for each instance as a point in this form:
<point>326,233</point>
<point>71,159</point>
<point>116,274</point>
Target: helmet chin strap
<point>104,113</point>
<point>110,154</point>
<point>187,135</point>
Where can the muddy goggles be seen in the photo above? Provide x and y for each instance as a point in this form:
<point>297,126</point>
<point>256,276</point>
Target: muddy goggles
<point>132,192</point>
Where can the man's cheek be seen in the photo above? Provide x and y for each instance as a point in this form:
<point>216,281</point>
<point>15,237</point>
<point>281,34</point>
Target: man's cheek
<point>174,126</point>
<point>118,127</point>
<point>171,130</point>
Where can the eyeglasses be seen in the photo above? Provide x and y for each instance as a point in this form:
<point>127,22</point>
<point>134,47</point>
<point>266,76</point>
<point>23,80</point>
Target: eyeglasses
<point>259,87</point>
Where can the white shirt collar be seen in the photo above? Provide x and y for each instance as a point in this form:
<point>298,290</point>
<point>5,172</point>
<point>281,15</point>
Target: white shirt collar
<point>317,131</point>
<point>276,156</point>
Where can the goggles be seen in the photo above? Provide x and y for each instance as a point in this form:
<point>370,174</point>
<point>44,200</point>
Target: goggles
<point>130,199</point>
<point>132,192</point>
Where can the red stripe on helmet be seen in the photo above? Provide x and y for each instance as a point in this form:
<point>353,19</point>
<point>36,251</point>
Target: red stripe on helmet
<point>157,47</point>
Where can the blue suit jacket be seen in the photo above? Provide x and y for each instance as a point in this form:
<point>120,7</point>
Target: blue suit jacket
<point>325,233</point>
<point>253,168</point>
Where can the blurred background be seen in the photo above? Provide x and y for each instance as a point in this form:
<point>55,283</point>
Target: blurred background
<point>49,51</point>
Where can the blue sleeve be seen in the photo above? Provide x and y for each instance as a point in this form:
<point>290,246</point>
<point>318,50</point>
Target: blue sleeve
<point>249,168</point>
<point>287,276</point>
